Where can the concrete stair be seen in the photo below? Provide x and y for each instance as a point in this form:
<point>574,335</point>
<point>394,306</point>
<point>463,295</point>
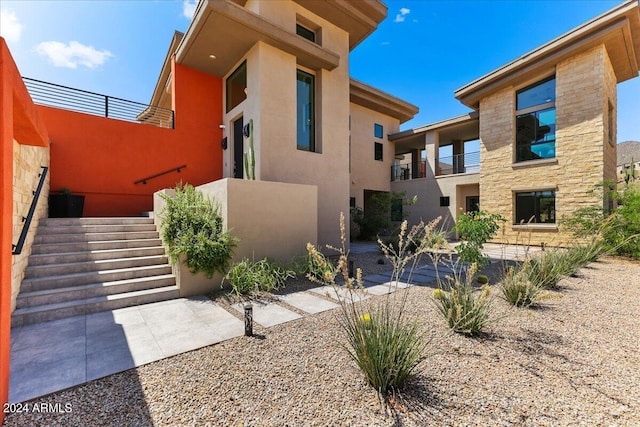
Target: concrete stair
<point>85,265</point>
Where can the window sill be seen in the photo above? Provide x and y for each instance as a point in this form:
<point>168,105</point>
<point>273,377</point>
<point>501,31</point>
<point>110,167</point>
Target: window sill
<point>535,227</point>
<point>533,163</point>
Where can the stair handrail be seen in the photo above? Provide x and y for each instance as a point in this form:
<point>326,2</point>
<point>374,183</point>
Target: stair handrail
<point>17,248</point>
<point>149,178</point>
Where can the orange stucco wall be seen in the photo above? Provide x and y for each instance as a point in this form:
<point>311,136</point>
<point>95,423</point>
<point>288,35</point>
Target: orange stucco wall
<point>102,158</point>
<point>19,120</point>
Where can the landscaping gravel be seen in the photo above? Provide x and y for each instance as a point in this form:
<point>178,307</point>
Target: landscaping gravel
<point>574,360</point>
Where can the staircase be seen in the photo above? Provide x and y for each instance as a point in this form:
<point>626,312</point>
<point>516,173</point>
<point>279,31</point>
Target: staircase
<point>85,265</point>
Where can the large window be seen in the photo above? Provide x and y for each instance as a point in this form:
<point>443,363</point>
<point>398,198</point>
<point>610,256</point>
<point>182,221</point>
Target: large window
<point>536,121</point>
<point>237,86</point>
<point>536,207</point>
<point>306,128</point>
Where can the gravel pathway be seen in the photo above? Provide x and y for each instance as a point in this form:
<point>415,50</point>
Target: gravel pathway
<point>573,361</point>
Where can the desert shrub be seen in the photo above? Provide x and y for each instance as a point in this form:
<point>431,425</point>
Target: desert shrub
<point>482,279</point>
<point>518,290</point>
<point>582,254</point>
<point>318,267</point>
<point>465,311</point>
<point>475,229</point>
<point>545,270</point>
<point>248,276</point>
<point>384,343</point>
<point>193,227</point>
<point>629,240</point>
<point>385,346</point>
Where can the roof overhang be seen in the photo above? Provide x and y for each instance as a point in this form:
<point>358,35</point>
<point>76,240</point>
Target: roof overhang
<point>377,100</point>
<point>159,96</point>
<point>358,18</point>
<point>454,122</point>
<point>227,30</point>
<point>618,29</point>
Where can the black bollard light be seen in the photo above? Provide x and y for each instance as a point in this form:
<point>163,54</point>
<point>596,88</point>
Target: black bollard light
<point>248,320</point>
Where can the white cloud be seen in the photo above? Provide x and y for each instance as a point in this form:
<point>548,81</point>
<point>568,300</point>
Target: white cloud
<point>403,13</point>
<point>73,54</point>
<point>189,8</point>
<point>10,26</point>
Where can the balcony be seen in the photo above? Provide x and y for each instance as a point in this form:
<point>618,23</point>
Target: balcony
<point>407,171</point>
<point>459,163</point>
<point>81,101</point>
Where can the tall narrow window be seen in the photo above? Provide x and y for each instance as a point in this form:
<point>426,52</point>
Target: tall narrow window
<point>237,86</point>
<point>537,207</point>
<point>377,151</point>
<point>306,128</point>
<point>536,121</point>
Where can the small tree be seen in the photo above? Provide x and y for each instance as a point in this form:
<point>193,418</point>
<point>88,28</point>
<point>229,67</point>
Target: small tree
<point>475,229</point>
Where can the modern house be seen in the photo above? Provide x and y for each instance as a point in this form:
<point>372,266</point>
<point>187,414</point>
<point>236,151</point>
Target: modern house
<point>541,134</point>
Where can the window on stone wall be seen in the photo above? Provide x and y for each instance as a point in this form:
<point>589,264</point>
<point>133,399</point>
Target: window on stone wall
<point>237,86</point>
<point>535,207</point>
<point>536,121</point>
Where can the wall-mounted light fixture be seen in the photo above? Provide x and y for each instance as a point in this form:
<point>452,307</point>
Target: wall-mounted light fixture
<point>222,126</point>
<point>224,143</point>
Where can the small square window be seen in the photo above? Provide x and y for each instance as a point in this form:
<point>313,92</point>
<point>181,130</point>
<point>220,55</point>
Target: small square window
<point>378,130</point>
<point>305,33</point>
<point>444,201</point>
<point>378,151</point>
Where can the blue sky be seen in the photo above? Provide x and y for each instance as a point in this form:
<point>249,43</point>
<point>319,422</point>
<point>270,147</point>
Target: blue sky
<point>422,52</point>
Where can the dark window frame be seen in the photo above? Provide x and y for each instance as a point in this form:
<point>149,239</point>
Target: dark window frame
<point>538,197</point>
<point>306,33</point>
<point>445,201</point>
<point>238,72</point>
<point>534,135</point>
<point>310,145</point>
<point>378,131</point>
<point>378,151</point>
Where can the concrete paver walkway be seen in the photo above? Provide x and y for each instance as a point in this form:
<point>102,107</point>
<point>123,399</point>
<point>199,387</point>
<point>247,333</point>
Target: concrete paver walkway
<point>55,355</point>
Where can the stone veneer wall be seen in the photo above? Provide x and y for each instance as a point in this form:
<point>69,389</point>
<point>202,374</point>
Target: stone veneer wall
<point>584,85</point>
<point>26,167</point>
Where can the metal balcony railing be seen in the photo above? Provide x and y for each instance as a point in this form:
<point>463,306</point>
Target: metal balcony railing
<point>82,101</point>
<point>459,163</point>
<point>407,171</point>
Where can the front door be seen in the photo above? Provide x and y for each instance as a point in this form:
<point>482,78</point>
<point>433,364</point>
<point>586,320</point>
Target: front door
<point>473,203</point>
<point>238,149</point>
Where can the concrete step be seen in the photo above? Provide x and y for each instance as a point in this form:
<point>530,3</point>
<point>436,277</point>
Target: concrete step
<point>52,248</point>
<point>95,255</point>
<point>79,279</point>
<point>60,295</point>
<point>53,270</point>
<point>45,313</point>
<point>95,237</point>
<point>94,221</point>
<point>103,228</point>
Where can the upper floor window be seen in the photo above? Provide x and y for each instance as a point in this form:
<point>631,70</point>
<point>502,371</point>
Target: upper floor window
<point>377,151</point>
<point>305,106</point>
<point>306,33</point>
<point>378,130</point>
<point>237,86</point>
<point>536,121</point>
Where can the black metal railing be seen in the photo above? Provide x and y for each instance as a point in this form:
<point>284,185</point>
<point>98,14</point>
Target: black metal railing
<point>459,163</point>
<point>82,101</point>
<point>17,248</point>
<point>144,180</point>
<point>407,171</point>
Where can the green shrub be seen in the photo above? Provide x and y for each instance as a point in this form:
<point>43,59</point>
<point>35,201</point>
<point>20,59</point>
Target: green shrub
<point>545,270</point>
<point>382,211</point>
<point>465,311</point>
<point>518,290</point>
<point>482,279</point>
<point>383,344</point>
<point>248,277</point>
<point>475,229</point>
<point>192,226</point>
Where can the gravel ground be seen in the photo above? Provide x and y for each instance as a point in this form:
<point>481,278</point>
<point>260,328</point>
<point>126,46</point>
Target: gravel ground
<point>574,360</point>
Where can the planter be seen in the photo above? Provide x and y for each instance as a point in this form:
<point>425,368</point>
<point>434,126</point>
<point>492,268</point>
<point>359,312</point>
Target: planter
<point>65,206</point>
